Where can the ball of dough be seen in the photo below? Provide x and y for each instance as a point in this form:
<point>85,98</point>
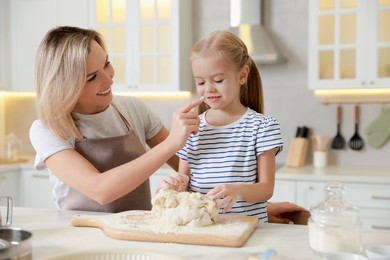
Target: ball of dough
<point>184,209</point>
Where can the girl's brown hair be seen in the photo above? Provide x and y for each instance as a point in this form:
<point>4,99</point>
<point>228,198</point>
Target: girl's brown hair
<point>231,47</point>
<point>60,76</point>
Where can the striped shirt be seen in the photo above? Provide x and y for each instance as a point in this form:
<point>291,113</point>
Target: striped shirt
<point>228,154</point>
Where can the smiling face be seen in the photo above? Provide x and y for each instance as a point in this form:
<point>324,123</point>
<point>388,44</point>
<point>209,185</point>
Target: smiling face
<point>218,82</point>
<point>96,95</point>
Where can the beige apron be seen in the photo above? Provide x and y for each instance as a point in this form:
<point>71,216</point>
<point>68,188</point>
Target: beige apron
<point>105,154</point>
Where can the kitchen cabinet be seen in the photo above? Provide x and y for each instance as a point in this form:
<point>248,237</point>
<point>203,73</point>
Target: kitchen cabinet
<point>284,190</point>
<point>35,189</point>
<point>148,42</point>
<point>349,44</point>
<point>9,184</point>
<point>368,188</point>
<point>29,22</point>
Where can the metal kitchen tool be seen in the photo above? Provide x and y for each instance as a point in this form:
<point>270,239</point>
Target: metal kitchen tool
<point>356,142</point>
<point>338,141</point>
<point>7,221</point>
<point>16,244</point>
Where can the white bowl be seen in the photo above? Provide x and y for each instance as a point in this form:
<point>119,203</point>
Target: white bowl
<point>380,252</point>
<point>346,256</point>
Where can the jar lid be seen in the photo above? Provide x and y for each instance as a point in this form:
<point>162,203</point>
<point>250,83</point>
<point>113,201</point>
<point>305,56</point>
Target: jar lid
<point>334,210</point>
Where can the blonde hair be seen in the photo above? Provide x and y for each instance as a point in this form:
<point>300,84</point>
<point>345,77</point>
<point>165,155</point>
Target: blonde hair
<point>234,50</point>
<point>60,76</point>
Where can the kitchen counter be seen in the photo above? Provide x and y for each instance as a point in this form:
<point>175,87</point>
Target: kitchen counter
<point>362,174</point>
<point>53,235</point>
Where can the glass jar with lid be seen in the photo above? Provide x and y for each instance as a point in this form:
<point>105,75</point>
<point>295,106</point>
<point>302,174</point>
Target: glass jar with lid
<point>334,225</point>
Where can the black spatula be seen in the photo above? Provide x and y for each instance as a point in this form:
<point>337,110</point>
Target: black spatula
<point>338,141</point>
<point>356,142</point>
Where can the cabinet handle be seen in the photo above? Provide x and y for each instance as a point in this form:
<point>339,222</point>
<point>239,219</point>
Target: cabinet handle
<point>2,178</point>
<point>380,227</point>
<point>374,197</point>
<point>40,176</point>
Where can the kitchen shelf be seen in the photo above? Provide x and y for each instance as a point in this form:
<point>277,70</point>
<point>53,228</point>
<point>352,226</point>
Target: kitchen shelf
<point>355,96</point>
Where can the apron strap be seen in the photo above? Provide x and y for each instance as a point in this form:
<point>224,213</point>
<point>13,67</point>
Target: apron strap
<point>123,117</point>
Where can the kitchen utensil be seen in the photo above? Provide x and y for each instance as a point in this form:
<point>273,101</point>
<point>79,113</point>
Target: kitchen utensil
<point>320,143</point>
<point>229,230</point>
<point>338,141</point>
<point>8,212</point>
<point>356,142</point>
<point>298,148</point>
<point>18,246</point>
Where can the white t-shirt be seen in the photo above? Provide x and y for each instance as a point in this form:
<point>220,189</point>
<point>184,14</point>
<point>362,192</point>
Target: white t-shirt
<point>108,123</point>
<point>228,154</point>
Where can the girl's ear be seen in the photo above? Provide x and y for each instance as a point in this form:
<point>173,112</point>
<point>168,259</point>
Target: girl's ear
<point>244,74</point>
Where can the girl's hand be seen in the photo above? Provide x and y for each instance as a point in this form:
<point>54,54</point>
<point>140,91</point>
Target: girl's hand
<point>175,181</point>
<point>225,196</point>
<point>185,121</point>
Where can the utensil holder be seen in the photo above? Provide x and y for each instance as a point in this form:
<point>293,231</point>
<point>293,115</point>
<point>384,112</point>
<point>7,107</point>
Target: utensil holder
<point>298,152</point>
<point>320,159</point>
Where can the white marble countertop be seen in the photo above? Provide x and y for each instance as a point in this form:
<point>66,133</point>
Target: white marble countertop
<point>53,235</point>
<point>366,174</point>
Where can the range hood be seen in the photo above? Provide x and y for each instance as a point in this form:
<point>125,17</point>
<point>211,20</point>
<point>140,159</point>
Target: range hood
<point>245,21</point>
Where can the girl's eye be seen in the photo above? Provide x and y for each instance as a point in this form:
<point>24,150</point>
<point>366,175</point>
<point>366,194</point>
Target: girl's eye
<point>200,83</point>
<point>107,64</point>
<point>218,81</point>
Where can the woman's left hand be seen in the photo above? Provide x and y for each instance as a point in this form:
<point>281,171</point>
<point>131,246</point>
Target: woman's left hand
<point>224,195</point>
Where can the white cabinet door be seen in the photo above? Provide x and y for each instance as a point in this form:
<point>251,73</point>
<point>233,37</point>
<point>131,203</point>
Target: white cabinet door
<point>148,43</point>
<point>36,189</point>
<point>309,193</point>
<point>349,44</point>
<point>9,184</point>
<point>29,22</point>
<point>284,191</point>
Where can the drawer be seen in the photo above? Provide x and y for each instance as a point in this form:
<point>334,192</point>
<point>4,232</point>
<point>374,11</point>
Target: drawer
<point>375,223</point>
<point>369,196</point>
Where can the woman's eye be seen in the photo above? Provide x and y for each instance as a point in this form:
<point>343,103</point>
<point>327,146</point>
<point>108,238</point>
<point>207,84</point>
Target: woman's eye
<point>92,78</point>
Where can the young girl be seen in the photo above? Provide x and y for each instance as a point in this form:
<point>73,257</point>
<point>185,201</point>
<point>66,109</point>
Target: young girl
<point>232,158</point>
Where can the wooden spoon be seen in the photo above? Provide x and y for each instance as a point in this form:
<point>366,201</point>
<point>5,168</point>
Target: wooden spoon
<point>356,142</point>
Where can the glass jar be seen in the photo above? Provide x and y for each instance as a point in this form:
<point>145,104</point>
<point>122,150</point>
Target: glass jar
<point>334,225</point>
<point>13,148</point>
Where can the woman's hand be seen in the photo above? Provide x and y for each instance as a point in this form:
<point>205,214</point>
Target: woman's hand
<point>225,196</point>
<point>278,212</point>
<point>175,181</point>
<point>185,121</point>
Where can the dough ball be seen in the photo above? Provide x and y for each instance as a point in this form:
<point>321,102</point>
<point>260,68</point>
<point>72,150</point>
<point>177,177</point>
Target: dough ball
<point>184,209</point>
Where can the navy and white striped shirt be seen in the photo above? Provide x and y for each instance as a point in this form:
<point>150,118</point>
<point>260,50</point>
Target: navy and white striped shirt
<point>228,154</point>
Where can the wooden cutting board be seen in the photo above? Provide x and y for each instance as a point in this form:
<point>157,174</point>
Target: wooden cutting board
<point>228,230</point>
